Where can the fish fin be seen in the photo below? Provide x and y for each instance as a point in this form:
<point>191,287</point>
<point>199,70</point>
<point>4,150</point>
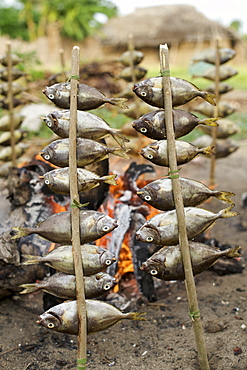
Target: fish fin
<point>20,232</point>
<point>136,316</point>
<point>209,97</point>
<point>120,152</point>
<point>120,138</point>
<point>224,196</point>
<point>29,288</point>
<point>119,102</point>
<point>31,260</point>
<point>234,252</point>
<point>109,179</point>
<point>207,150</point>
<point>209,122</point>
<point>225,213</point>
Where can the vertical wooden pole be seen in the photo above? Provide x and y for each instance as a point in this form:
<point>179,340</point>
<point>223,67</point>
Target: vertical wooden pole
<point>131,47</point>
<point>61,53</point>
<point>216,113</point>
<point>10,102</point>
<point>75,214</point>
<point>178,200</point>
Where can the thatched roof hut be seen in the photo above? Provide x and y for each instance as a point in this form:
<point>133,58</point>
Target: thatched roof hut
<point>171,24</point>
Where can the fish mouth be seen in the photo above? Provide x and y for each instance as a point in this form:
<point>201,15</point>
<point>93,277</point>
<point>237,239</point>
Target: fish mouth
<point>134,88</point>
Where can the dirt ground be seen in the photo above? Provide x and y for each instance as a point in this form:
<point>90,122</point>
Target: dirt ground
<point>166,340</point>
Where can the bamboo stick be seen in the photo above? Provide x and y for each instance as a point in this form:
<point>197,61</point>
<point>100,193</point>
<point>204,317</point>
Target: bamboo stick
<point>75,214</point>
<point>131,47</point>
<point>61,53</point>
<point>10,103</point>
<point>216,113</point>
<point>183,239</point>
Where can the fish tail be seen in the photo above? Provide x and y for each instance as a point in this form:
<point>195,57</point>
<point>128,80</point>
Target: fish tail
<point>209,122</point>
<point>31,260</point>
<point>20,232</point>
<point>234,252</point>
<point>207,150</point>
<point>224,196</point>
<point>109,179</point>
<point>120,138</point>
<point>209,97</point>
<point>227,212</point>
<point>119,102</point>
<point>136,316</point>
<point>28,288</point>
<point>120,152</point>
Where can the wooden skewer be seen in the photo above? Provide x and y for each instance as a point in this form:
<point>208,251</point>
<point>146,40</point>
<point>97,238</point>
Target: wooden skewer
<point>10,102</point>
<point>178,200</point>
<point>75,214</point>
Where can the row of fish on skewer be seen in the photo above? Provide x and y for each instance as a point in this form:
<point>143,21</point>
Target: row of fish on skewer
<point>204,65</point>
<point>5,120</point>
<point>93,224</point>
<point>162,229</point>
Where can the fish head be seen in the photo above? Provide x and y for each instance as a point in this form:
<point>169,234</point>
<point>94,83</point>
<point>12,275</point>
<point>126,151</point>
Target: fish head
<point>149,153</point>
<point>153,267</point>
<point>149,193</point>
<point>148,233</point>
<point>105,224</point>
<point>51,121</point>
<point>50,320</point>
<point>48,179</point>
<point>144,91</point>
<point>106,281</point>
<point>58,92</point>
<point>47,153</point>
<point>107,259</point>
<point>144,126</point>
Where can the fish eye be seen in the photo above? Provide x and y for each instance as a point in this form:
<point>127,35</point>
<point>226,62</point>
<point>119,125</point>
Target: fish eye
<point>51,96</point>
<point>153,272</point>
<point>107,286</point>
<point>47,157</point>
<point>108,262</point>
<point>50,325</point>
<point>150,156</point>
<point>48,124</point>
<point>106,228</point>
<point>47,182</point>
<point>147,197</point>
<point>143,93</point>
<point>150,239</point>
<point>143,129</point>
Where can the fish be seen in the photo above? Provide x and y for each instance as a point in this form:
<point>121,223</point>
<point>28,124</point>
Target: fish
<point>89,126</point>
<point>5,121</point>
<point>16,88</point>
<point>5,137</point>
<point>225,128</point>
<point>159,193</point>
<point>64,285</point>
<point>4,103</point>
<point>166,263</point>
<point>14,60</point>
<point>6,152</point>
<point>210,55</point>
<point>156,152</point>
<point>88,97</point>
<point>87,151</point>
<point>223,88</point>
<point>95,259</point>
<point>127,72</point>
<point>135,55</point>
<point>58,180</point>
<point>223,147</point>
<point>162,229</point>
<point>225,72</point>
<point>153,126</point>
<point>15,72</point>
<point>151,91</point>
<point>57,227</point>
<point>100,316</point>
<point>223,109</point>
